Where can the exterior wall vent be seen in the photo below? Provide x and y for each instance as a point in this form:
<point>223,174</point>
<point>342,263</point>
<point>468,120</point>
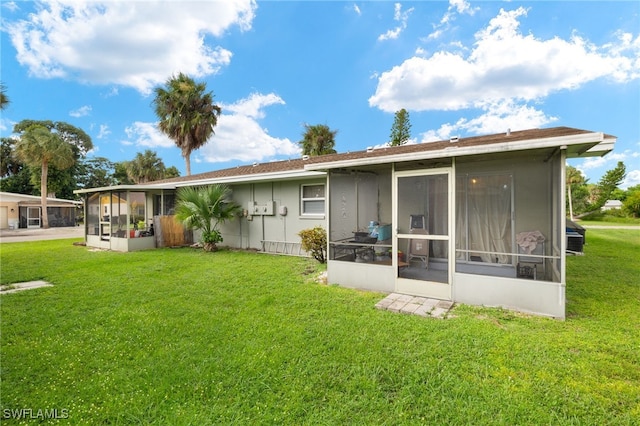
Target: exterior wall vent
<point>454,139</point>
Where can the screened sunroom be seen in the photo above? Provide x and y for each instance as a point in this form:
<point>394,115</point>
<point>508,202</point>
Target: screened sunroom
<point>122,218</point>
<point>480,223</point>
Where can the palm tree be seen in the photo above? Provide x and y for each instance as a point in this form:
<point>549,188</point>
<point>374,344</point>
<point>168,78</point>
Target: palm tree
<point>4,99</point>
<point>205,208</point>
<point>39,147</point>
<point>318,140</point>
<point>187,114</point>
<point>145,167</point>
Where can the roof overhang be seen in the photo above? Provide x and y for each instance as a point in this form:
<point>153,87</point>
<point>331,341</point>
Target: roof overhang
<point>229,180</point>
<point>263,177</point>
<point>583,144</point>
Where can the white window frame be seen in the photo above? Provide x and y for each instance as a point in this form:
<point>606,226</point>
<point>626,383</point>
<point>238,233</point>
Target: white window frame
<point>303,200</point>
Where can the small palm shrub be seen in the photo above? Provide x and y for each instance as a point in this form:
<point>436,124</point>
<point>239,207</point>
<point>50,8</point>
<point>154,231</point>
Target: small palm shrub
<point>205,208</point>
<point>314,241</point>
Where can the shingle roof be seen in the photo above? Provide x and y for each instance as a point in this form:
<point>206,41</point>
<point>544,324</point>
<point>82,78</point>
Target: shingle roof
<point>299,164</point>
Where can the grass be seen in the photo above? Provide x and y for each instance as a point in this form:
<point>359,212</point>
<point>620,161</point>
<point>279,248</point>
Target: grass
<point>177,336</point>
<point>607,219</point>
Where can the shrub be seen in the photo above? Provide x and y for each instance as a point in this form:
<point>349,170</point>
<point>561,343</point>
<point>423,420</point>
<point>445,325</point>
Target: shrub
<point>314,241</point>
<point>631,205</point>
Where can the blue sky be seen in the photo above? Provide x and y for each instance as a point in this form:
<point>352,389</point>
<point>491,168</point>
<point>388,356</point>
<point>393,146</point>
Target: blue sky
<point>461,68</point>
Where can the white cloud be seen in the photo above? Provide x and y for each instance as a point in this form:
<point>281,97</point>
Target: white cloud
<point>503,65</point>
<point>10,5</point>
<point>147,135</point>
<point>238,134</point>
<point>253,105</point>
<point>609,159</point>
<point>455,6</point>
<point>133,44</point>
<point>357,10</point>
<point>398,16</point>
<point>632,179</point>
<point>497,117</point>
<point>104,131</point>
<point>83,111</point>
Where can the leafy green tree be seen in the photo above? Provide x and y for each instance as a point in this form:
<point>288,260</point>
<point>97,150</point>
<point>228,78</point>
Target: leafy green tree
<point>631,204</point>
<point>401,129</point>
<point>61,181</point>
<point>120,175</point>
<point>608,183</point>
<point>204,209</point>
<point>4,99</point>
<point>15,176</point>
<point>97,172</point>
<point>171,172</point>
<point>574,179</point>
<point>38,146</point>
<point>145,167</point>
<point>318,140</point>
<point>187,114</point>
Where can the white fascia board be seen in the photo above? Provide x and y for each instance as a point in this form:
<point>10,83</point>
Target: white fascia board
<point>298,174</point>
<point>454,150</point>
<point>126,188</point>
<point>604,147</point>
<point>7,196</point>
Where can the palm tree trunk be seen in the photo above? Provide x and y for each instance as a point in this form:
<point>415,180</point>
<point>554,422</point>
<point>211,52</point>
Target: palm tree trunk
<point>43,193</point>
<point>187,161</point>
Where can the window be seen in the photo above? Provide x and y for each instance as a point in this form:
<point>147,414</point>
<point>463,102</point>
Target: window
<point>312,200</point>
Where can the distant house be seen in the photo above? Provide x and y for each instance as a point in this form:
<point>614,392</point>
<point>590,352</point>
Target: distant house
<point>611,205</point>
<point>478,220</point>
<point>25,211</point>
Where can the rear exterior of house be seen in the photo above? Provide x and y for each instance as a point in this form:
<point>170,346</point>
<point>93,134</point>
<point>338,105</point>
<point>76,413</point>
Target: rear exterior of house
<point>476,220</point>
<point>278,200</point>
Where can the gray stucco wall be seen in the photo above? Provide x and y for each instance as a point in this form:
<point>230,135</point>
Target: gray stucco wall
<point>249,231</point>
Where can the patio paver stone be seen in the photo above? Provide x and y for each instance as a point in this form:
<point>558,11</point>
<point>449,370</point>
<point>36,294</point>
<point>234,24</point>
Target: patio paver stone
<point>422,306</point>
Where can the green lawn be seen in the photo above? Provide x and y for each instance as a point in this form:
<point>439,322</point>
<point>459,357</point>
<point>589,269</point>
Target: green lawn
<point>178,336</point>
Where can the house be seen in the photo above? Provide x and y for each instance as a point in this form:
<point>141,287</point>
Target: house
<point>478,220</point>
<point>25,211</point>
<point>612,205</point>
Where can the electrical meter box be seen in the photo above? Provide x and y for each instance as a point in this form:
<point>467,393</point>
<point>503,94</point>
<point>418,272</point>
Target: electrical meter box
<point>261,209</point>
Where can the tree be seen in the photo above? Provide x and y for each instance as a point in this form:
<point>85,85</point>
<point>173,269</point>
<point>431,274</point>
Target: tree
<point>574,177</point>
<point>318,140</point>
<point>61,181</point>
<point>38,146</point>
<point>631,204</point>
<point>120,175</point>
<point>145,167</point>
<point>187,114</point>
<point>204,209</point>
<point>96,172</point>
<point>4,99</point>
<point>401,129</point>
<point>609,182</point>
<point>171,172</point>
